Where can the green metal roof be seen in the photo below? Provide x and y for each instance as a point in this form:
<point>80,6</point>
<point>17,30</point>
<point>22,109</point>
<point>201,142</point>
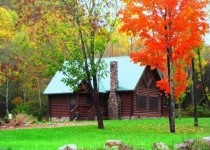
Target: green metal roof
<point>128,77</point>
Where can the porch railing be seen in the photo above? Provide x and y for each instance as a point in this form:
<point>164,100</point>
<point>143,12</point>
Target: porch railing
<point>91,113</point>
<point>72,113</point>
<point>80,112</point>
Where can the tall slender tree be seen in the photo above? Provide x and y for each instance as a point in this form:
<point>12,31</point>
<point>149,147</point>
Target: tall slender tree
<point>172,29</point>
<point>193,92</point>
<point>83,29</point>
<point>8,69</point>
<point>201,74</point>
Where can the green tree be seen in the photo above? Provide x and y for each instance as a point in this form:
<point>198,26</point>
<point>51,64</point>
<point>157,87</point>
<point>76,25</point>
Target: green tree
<point>198,71</point>
<point>94,25</point>
<point>80,30</point>
<point>31,67</point>
<point>200,63</point>
<point>122,44</point>
<point>11,4</point>
<point>6,26</point>
<point>8,68</point>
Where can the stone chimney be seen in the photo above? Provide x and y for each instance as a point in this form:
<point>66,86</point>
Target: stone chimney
<point>113,76</point>
<point>114,99</point>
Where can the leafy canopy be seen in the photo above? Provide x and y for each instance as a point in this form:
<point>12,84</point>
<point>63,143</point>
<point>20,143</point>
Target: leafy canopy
<point>164,24</point>
<point>6,25</point>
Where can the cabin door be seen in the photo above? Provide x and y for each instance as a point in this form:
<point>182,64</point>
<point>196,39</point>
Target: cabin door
<point>126,104</point>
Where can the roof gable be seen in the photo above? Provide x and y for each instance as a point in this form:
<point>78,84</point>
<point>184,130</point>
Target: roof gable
<point>128,77</point>
<point>149,78</point>
<point>128,73</point>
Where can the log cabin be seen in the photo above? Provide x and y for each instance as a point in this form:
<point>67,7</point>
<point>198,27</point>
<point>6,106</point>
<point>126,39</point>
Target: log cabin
<point>128,91</point>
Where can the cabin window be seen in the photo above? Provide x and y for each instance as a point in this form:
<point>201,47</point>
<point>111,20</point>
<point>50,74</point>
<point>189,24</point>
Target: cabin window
<point>153,103</point>
<point>103,99</point>
<point>141,102</point>
<point>72,102</point>
<point>88,100</point>
<point>165,102</point>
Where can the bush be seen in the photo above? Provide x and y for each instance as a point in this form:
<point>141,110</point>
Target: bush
<point>188,112</point>
<point>31,108</point>
<point>23,108</point>
<point>203,111</point>
<point>182,113</point>
<point>21,119</point>
<point>17,101</point>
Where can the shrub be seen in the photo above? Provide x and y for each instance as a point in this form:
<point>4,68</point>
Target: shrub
<point>23,108</point>
<point>31,108</point>
<point>17,101</point>
<point>203,111</point>
<point>21,119</point>
<point>188,112</point>
<point>182,113</point>
<point>6,120</point>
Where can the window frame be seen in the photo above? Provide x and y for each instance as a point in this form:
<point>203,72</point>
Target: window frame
<point>138,102</point>
<point>151,109</point>
<point>88,100</point>
<point>72,97</point>
<point>154,108</point>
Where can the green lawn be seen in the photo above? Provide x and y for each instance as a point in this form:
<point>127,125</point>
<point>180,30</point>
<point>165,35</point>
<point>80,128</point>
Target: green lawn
<point>138,133</point>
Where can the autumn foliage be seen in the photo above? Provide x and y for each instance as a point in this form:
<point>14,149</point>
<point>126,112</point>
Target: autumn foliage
<point>163,24</point>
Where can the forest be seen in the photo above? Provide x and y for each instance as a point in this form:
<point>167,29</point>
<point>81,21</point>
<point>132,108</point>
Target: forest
<point>37,36</point>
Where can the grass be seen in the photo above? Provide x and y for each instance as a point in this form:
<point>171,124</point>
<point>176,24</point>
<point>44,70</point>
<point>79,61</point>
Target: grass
<point>137,133</point>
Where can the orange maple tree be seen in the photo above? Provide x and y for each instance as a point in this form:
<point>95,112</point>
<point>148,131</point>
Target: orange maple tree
<point>175,25</point>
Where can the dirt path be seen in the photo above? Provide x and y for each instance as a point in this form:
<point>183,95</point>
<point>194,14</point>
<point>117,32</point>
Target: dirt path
<point>47,125</point>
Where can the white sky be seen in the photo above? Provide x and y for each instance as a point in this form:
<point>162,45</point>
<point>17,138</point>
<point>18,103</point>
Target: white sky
<point>207,36</point>
<point>207,39</point>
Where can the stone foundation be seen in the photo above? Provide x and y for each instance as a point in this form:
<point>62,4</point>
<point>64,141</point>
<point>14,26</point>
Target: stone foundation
<point>59,119</point>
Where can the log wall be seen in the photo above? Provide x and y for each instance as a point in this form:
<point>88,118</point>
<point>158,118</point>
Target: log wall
<point>147,112</point>
<point>58,105</point>
<point>126,103</point>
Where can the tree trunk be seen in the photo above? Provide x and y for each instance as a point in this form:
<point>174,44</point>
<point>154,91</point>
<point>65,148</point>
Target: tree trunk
<point>7,96</point>
<point>39,97</point>
<point>202,78</point>
<point>171,95</point>
<point>97,104</point>
<point>179,115</point>
<point>24,94</point>
<point>170,73</point>
<point>131,45</point>
<point>97,108</point>
<point>40,102</point>
<point>193,92</point>
<point>171,115</point>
